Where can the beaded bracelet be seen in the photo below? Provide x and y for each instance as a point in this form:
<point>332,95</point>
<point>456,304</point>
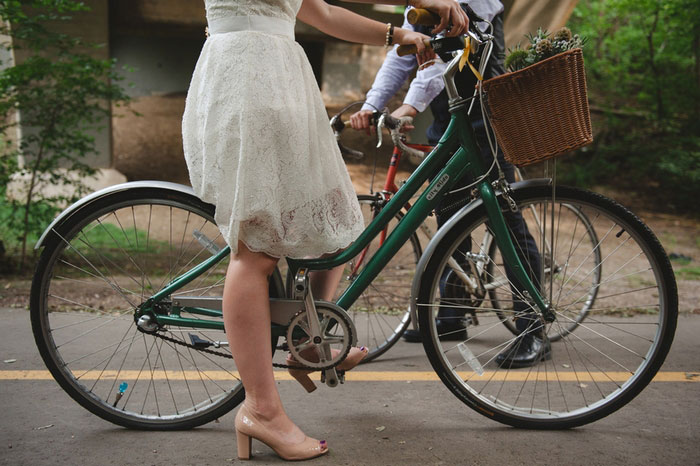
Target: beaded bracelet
<point>389,35</point>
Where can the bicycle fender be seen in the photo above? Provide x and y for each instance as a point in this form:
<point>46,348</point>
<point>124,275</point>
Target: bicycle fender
<point>87,200</point>
<point>435,241</point>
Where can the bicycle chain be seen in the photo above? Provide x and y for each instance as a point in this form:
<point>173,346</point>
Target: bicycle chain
<point>229,356</point>
<point>215,353</point>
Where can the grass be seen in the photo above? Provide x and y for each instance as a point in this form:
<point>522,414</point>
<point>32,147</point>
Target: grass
<point>688,273</point>
<point>682,268</point>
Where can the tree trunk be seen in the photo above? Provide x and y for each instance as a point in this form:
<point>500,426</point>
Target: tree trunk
<point>28,204</point>
<point>696,56</point>
<point>660,111</point>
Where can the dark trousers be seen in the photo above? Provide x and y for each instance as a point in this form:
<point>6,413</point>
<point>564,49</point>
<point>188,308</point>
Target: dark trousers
<point>524,243</point>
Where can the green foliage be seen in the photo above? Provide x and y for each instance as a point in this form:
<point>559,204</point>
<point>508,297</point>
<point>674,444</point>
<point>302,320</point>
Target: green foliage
<point>542,45</point>
<point>643,72</point>
<point>63,95</point>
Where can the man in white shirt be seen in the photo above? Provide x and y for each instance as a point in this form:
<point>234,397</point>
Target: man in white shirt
<point>427,89</point>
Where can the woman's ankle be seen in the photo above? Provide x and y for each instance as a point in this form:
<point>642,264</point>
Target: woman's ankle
<point>264,412</point>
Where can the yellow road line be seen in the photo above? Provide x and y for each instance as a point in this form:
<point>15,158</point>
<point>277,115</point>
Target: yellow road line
<point>366,376</point>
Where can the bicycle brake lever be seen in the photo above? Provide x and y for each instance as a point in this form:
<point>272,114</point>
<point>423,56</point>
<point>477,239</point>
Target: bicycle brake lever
<point>337,124</point>
<point>380,125</point>
<point>353,154</point>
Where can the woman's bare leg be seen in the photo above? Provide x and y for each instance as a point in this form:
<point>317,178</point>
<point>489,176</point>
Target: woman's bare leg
<point>246,309</point>
<point>324,283</point>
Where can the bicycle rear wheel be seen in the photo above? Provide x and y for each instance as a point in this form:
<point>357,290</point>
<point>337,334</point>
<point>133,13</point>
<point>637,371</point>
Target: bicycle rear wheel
<point>595,368</point>
<point>97,267</point>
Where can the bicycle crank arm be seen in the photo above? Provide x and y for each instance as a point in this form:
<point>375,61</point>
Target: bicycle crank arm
<point>330,377</point>
<point>468,281</point>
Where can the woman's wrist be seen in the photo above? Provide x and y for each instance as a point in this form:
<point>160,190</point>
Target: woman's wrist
<point>399,35</point>
<point>405,36</point>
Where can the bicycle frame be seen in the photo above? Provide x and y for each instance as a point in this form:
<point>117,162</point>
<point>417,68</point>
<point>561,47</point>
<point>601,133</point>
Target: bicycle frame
<point>458,154</point>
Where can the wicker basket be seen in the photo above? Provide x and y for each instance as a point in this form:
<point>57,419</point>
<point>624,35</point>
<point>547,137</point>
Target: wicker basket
<point>541,111</point>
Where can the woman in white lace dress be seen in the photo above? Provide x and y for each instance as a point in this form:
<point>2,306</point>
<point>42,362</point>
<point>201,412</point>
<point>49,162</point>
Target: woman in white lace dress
<point>258,146</point>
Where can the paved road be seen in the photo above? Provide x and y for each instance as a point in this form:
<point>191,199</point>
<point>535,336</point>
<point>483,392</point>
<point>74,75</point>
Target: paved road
<point>381,422</point>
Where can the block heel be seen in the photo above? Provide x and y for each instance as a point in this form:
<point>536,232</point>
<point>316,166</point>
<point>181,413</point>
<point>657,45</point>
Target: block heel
<point>354,357</point>
<point>248,427</point>
<point>302,376</point>
<point>245,443</point>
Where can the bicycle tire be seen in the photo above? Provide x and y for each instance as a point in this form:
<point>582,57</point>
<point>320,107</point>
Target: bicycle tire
<point>119,250</point>
<point>590,373</point>
<point>588,236</point>
<point>381,314</point>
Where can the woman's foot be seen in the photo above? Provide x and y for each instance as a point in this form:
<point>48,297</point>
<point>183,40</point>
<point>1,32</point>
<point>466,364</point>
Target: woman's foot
<point>289,444</point>
<point>354,357</point>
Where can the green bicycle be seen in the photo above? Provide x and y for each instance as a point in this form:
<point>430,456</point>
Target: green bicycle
<point>126,308</point>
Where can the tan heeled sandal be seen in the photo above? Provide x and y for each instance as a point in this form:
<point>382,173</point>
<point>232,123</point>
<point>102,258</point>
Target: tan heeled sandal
<point>354,357</point>
<point>249,428</point>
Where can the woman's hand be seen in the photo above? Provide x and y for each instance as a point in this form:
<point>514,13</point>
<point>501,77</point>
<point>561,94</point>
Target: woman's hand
<point>408,37</point>
<point>451,15</point>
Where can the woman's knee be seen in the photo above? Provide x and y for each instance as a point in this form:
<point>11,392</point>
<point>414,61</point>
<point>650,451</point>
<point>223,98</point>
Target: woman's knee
<point>254,261</point>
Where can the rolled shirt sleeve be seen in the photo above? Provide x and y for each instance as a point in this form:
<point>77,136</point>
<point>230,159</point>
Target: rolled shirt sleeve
<point>393,73</point>
<point>428,82</point>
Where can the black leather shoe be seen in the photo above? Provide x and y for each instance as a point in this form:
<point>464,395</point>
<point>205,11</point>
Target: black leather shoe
<point>412,336</point>
<point>446,332</point>
<point>527,350</point>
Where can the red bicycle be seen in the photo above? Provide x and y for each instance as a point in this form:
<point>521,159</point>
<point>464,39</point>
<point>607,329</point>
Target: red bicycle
<point>382,314</point>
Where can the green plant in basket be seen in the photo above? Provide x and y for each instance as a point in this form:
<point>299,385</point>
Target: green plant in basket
<point>542,45</point>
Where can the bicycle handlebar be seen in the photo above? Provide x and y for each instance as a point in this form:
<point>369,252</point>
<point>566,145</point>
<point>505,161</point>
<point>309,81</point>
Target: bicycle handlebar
<point>423,17</point>
<point>403,50</point>
<point>380,120</point>
<point>420,16</point>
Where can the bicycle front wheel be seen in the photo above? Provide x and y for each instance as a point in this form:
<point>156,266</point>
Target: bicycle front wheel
<point>97,267</point>
<point>584,245</point>
<point>599,363</point>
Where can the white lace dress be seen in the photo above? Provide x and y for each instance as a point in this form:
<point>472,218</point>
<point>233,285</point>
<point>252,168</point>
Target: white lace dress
<point>257,140</point>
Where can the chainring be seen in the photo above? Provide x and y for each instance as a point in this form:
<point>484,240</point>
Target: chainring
<point>337,331</point>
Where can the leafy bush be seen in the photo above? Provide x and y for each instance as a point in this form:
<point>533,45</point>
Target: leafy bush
<point>63,95</point>
<point>643,71</point>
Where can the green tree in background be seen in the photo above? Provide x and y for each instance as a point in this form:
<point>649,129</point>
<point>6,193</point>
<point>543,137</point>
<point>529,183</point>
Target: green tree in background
<point>63,95</point>
<point>643,69</point>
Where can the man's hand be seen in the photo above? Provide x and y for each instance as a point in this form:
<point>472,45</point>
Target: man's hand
<point>361,121</point>
<point>451,15</point>
<point>403,111</point>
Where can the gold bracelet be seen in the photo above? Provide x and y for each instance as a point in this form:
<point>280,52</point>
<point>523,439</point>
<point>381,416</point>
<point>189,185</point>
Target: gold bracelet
<point>389,35</point>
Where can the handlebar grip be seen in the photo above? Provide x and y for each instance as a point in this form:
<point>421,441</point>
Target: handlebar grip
<point>402,50</point>
<point>422,17</point>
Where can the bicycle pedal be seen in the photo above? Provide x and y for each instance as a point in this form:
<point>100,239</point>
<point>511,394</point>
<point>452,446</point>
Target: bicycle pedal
<point>198,342</point>
<point>341,376</point>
